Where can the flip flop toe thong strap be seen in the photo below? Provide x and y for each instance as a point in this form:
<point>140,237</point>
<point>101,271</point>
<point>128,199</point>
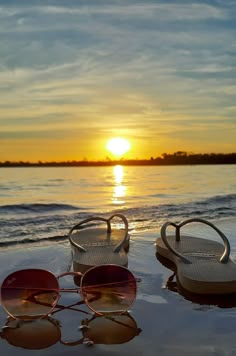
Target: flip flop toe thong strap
<point>109,230</point>
<point>223,259</point>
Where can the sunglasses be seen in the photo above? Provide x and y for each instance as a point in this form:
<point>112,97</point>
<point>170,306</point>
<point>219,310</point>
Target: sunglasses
<point>34,293</point>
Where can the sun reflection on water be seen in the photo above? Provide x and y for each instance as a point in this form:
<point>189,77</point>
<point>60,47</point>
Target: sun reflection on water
<point>119,189</point>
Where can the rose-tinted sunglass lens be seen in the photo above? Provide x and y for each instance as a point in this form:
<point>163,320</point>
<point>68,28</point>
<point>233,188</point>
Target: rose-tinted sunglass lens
<point>29,293</point>
<point>108,288</point>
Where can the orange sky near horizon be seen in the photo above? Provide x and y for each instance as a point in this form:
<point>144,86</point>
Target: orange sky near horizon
<point>74,75</point>
<point>56,150</point>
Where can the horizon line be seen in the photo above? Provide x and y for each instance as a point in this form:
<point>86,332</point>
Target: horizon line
<point>179,157</point>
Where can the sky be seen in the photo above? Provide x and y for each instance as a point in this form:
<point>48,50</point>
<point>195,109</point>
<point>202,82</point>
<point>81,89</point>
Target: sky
<point>76,73</point>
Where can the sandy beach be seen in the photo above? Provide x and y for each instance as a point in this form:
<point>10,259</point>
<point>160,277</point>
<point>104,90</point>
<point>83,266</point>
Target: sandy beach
<point>160,322</point>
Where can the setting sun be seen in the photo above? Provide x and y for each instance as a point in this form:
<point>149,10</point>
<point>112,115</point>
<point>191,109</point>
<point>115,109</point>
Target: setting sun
<point>118,146</point>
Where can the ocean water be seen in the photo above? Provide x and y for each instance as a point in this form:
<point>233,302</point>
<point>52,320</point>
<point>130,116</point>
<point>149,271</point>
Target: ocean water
<point>42,204</point>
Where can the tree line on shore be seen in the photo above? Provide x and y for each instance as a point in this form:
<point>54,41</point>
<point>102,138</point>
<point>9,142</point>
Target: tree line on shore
<point>177,158</point>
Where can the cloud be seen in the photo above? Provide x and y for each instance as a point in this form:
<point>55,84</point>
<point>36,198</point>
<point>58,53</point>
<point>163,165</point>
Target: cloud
<point>124,66</point>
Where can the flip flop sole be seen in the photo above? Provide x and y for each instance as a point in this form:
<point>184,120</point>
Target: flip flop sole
<point>202,266</point>
<point>92,246</point>
<point>97,255</point>
<point>189,245</point>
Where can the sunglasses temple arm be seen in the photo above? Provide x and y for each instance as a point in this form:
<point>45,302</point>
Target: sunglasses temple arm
<point>60,307</point>
<point>70,307</point>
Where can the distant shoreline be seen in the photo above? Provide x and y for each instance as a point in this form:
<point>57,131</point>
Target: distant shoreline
<point>178,158</point>
<point>91,164</point>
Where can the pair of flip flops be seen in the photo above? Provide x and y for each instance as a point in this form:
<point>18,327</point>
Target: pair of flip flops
<point>202,266</point>
<point>95,244</point>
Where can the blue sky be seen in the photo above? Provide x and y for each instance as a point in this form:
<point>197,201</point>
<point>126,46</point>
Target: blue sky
<point>74,74</point>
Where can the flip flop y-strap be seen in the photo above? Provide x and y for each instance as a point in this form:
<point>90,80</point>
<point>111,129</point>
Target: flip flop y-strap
<point>223,259</point>
<point>119,246</point>
<point>109,230</point>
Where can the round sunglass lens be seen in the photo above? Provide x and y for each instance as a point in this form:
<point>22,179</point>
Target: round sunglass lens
<point>108,289</point>
<point>29,293</point>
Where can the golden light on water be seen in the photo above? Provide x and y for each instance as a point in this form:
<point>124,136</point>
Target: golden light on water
<point>119,192</point>
<point>118,174</point>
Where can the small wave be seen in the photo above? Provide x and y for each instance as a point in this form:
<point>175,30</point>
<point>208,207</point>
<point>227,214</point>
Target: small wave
<point>153,216</point>
<point>221,199</point>
<point>30,223</point>
<point>27,241</point>
<point>36,208</point>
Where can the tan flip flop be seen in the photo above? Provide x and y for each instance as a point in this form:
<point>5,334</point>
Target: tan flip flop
<point>92,246</point>
<point>202,266</point>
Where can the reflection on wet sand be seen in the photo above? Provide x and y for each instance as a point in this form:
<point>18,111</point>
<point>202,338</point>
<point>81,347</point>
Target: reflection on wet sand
<point>42,333</point>
<point>222,301</point>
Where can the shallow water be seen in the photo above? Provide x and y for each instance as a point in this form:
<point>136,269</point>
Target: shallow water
<point>38,204</point>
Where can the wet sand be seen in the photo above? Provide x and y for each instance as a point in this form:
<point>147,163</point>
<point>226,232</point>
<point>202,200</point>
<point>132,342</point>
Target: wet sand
<point>160,322</point>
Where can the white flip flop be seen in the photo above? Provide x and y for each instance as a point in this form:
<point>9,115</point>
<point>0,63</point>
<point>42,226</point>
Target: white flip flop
<point>202,266</point>
<point>92,246</point>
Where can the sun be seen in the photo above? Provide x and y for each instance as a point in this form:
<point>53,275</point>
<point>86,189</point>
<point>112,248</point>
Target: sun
<point>118,146</point>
